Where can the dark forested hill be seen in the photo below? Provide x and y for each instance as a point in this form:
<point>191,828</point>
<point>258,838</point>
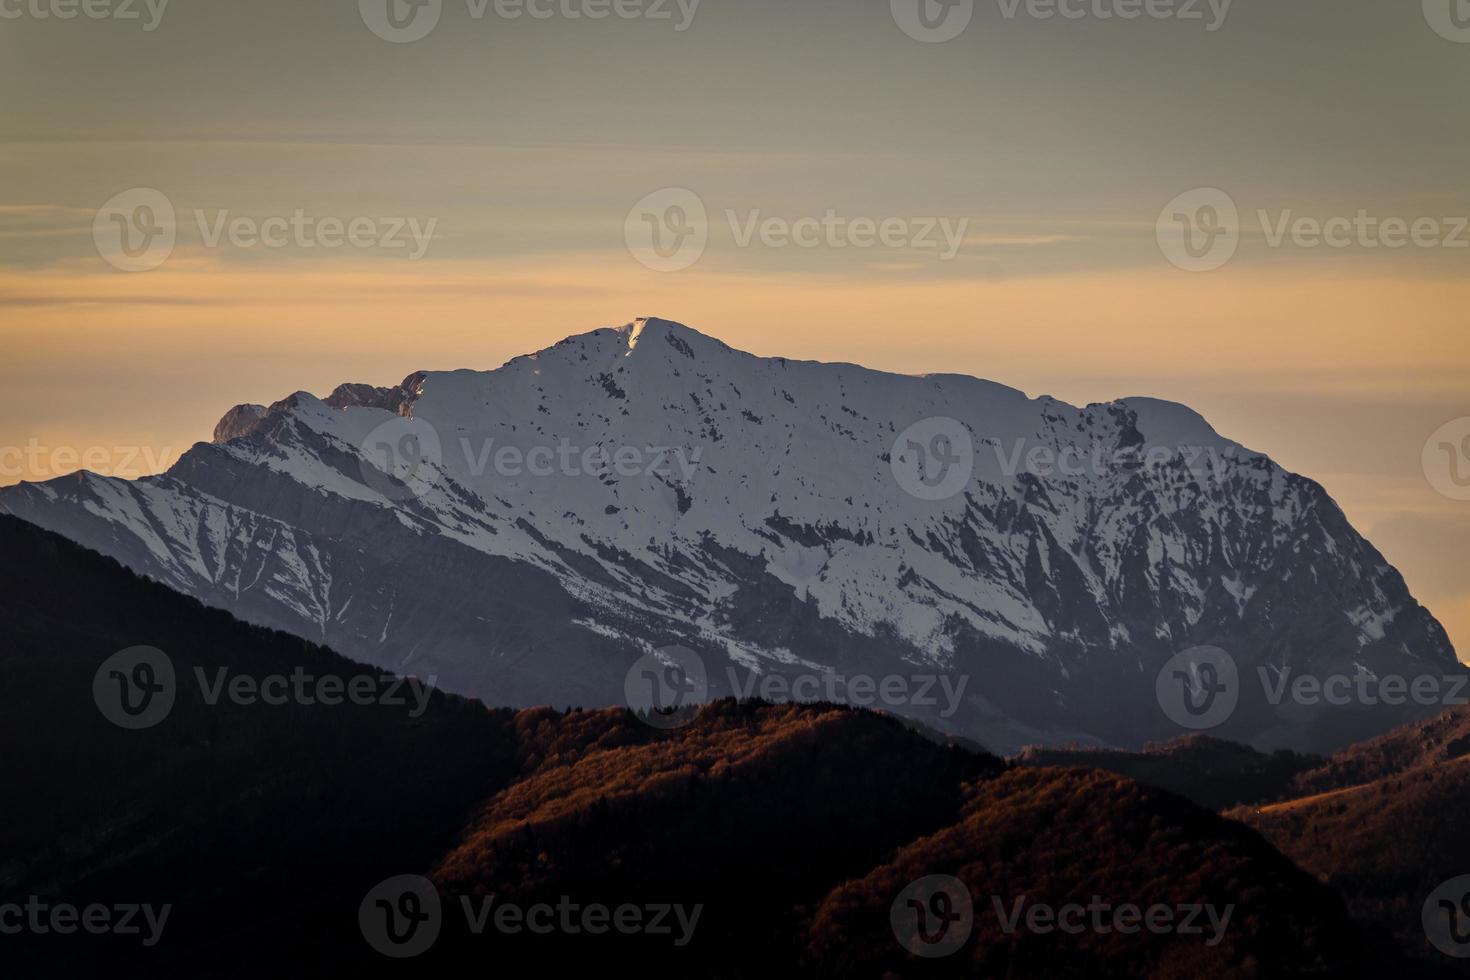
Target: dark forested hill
<point>269,821</point>
<point>256,822</point>
<point>1384,822</point>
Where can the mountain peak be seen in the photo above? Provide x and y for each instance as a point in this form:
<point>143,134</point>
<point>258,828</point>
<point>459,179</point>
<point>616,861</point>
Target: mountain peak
<point>238,421</point>
<point>682,339</point>
<point>649,484</point>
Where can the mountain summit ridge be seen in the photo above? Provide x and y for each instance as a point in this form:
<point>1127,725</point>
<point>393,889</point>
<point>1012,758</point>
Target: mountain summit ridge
<point>528,532</point>
<point>360,394</point>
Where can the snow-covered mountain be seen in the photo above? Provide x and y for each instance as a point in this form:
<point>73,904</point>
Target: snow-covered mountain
<point>528,533</point>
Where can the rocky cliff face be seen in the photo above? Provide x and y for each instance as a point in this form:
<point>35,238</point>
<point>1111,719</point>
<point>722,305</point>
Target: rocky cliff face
<point>528,533</point>
<point>239,422</point>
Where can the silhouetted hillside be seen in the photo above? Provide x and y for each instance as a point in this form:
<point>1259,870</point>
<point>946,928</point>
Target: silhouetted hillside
<point>1443,738</point>
<point>752,812</point>
<point>258,823</point>
<point>1384,823</point>
<point>1069,836</point>
<point>1385,846</point>
<point>1212,772</point>
<point>785,833</point>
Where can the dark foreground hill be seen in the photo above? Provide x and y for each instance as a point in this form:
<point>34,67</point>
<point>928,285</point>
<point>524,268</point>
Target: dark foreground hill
<point>257,823</point>
<point>1381,822</point>
<point>782,838</point>
<point>1384,823</point>
<point>1058,837</point>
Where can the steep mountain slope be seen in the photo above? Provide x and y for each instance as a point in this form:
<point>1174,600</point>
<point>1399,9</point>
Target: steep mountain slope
<point>527,533</point>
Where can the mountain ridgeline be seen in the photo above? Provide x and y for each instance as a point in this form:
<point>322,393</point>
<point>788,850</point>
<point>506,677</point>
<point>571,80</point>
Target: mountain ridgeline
<point>525,534</point>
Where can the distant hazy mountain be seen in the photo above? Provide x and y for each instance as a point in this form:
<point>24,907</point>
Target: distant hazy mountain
<point>527,533</point>
<point>1212,772</point>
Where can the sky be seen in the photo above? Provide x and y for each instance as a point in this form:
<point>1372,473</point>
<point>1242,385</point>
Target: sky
<point>1256,208</point>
